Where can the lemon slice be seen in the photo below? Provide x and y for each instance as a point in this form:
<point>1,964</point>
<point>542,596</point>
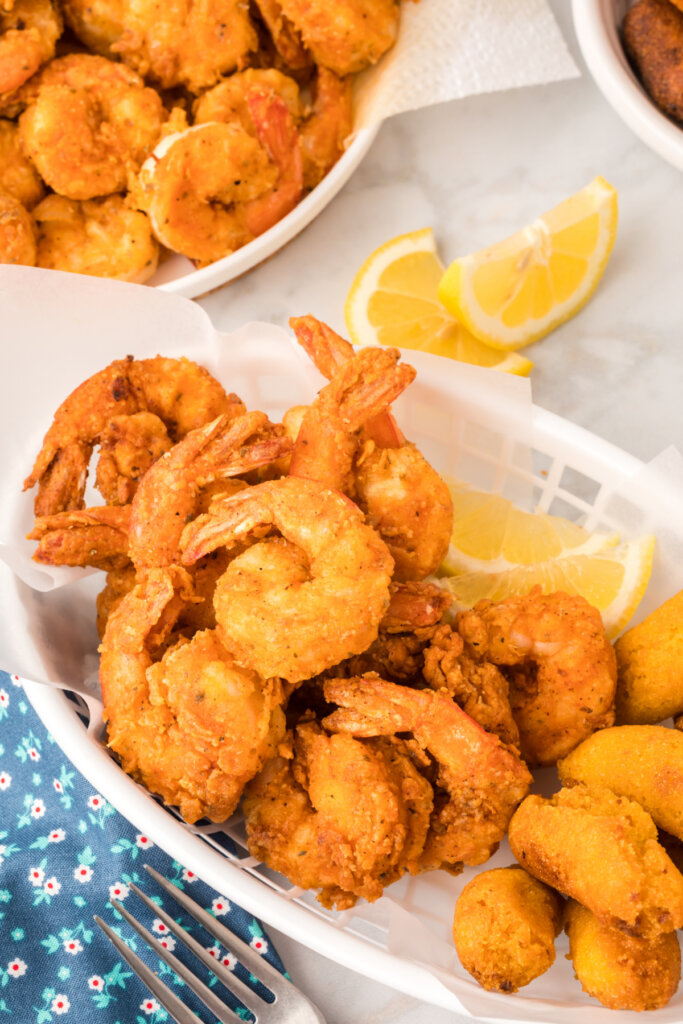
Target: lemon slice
<point>518,290</point>
<point>498,550</point>
<point>394,301</point>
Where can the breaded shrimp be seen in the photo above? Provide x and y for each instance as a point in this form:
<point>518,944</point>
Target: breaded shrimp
<point>129,446</point>
<point>404,497</point>
<point>479,781</point>
<point>181,44</point>
<point>92,124</point>
<point>228,101</point>
<point>296,605</point>
<point>652,31</point>
<point>327,127</point>
<point>18,176</point>
<point>29,30</point>
<point>622,971</point>
<point>286,40</point>
<point>214,187</point>
<point>561,667</point>
<point>194,727</point>
<point>89,536</point>
<point>641,762</point>
<point>650,666</point>
<point>17,232</point>
<point>178,391</point>
<point>345,816</point>
<point>347,38</point>
<point>602,850</point>
<point>504,928</point>
<point>103,237</point>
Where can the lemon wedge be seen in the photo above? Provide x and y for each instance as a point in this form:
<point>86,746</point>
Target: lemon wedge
<point>498,550</point>
<point>516,291</point>
<point>394,301</point>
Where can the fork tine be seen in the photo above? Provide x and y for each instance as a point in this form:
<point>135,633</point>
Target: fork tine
<point>224,975</point>
<point>177,1009</point>
<point>258,966</point>
<point>209,998</point>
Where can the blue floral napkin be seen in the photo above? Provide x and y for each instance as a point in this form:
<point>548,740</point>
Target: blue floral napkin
<point>64,853</point>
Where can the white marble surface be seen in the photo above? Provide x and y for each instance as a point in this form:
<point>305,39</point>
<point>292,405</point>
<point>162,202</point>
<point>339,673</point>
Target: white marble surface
<point>476,170</point>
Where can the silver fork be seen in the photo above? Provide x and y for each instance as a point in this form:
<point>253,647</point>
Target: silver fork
<point>290,1005</point>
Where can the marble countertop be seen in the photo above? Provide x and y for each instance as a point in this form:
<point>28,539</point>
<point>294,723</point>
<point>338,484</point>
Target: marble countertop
<point>477,170</point>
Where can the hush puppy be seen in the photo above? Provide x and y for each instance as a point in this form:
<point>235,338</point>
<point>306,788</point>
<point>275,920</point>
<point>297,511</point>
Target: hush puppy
<point>504,928</point>
<point>650,665</point>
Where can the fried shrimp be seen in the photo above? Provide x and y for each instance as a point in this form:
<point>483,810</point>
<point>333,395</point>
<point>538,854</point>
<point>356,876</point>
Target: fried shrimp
<point>18,176</point>
<point>90,536</point>
<point>192,726</point>
<point>29,30</point>
<point>479,782</point>
<point>17,232</point>
<point>286,40</point>
<point>103,237</point>
<point>166,498</point>
<point>602,850</point>
<point>327,127</point>
<point>344,816</point>
<point>92,124</point>
<point>182,44</point>
<point>214,187</point>
<point>404,498</point>
<point>296,605</point>
<point>561,667</point>
<point>356,36</point>
<point>178,391</point>
<point>228,101</point>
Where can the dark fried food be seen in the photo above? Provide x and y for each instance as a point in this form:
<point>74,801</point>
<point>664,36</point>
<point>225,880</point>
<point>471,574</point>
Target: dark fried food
<point>602,850</point>
<point>652,31</point>
<point>504,928</point>
<point>560,664</point>
<point>641,762</point>
<point>650,666</point>
<point>622,971</point>
<point>478,781</point>
<point>342,815</point>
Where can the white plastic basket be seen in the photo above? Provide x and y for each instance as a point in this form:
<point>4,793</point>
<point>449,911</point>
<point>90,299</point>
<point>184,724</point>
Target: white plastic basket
<point>474,424</point>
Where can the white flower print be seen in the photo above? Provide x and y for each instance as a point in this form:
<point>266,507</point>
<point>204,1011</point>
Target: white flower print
<point>5,780</point>
<point>229,961</point>
<point>149,1006</point>
<point>259,944</point>
<point>60,1004</point>
<point>168,942</point>
<point>56,836</point>
<point>37,808</point>
<point>15,681</point>
<point>143,842</point>
<point>82,873</point>
<point>52,886</point>
<point>213,951</point>
<point>16,968</point>
<point>220,906</point>
<point>33,754</point>
<point>159,927</point>
<point>96,983</point>
<point>58,786</point>
<point>189,876</point>
<point>118,891</point>
<point>36,876</point>
<point>4,699</point>
<point>95,802</point>
<point>72,946</point>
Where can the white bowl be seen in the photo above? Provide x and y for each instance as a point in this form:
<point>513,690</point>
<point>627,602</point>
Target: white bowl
<point>597,24</point>
<point>178,275</point>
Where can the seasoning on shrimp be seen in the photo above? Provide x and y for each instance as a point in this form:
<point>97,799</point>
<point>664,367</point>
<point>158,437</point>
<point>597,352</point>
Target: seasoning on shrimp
<point>214,187</point>
<point>103,237</point>
<point>228,101</point>
<point>18,176</point>
<point>17,232</point>
<point>327,127</point>
<point>29,30</point>
<point>93,123</point>
<point>297,604</point>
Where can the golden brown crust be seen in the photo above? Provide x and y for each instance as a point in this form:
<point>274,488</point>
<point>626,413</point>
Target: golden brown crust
<point>653,39</point>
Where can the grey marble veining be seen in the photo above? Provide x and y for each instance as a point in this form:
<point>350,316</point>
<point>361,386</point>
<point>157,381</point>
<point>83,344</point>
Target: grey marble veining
<point>477,170</point>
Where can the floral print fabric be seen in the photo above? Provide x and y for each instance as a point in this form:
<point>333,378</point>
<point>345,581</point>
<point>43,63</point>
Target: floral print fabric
<point>65,852</point>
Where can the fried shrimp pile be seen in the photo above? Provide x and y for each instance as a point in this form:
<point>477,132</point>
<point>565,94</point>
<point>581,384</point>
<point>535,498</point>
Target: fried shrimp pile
<point>189,128</point>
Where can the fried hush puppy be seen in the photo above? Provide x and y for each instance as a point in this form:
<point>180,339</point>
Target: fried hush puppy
<point>641,762</point>
<point>622,971</point>
<point>650,666</point>
<point>504,928</point>
<point>618,868</point>
<point>653,39</point>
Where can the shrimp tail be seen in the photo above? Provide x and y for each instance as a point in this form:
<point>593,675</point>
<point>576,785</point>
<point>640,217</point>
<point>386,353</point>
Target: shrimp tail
<point>277,133</point>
